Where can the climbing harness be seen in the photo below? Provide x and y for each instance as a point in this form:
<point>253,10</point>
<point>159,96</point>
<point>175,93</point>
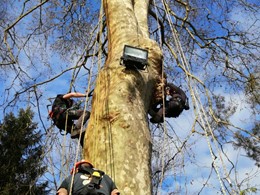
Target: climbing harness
<point>94,176</point>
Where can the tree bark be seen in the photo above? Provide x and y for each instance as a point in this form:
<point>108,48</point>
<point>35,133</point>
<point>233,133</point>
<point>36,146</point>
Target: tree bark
<point>117,139</point>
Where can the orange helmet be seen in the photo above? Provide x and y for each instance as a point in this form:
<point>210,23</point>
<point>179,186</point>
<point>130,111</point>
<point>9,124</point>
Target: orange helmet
<point>79,163</point>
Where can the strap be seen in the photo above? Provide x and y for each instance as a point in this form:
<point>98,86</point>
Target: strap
<point>50,114</point>
<point>96,177</point>
<point>57,111</point>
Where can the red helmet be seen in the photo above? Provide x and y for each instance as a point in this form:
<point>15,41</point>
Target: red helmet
<point>79,163</point>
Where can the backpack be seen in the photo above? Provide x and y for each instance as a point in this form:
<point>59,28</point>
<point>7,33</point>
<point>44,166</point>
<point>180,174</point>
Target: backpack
<point>58,112</point>
<point>100,184</point>
<point>178,94</point>
<point>174,107</point>
<point>177,103</point>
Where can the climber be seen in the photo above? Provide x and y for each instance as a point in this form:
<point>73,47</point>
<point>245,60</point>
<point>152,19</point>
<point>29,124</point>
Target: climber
<point>64,110</point>
<point>87,180</point>
<point>175,101</point>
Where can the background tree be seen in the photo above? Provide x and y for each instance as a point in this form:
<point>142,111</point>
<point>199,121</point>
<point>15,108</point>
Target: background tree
<point>250,144</point>
<point>210,49</point>
<point>21,156</point>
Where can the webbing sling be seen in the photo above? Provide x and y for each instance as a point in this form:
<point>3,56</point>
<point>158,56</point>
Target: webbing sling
<point>96,177</point>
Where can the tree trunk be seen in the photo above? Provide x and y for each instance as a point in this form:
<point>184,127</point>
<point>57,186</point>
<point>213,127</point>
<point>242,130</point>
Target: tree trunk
<point>117,139</point>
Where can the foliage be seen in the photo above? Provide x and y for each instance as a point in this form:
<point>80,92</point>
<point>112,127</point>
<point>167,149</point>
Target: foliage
<point>21,155</point>
<point>250,143</point>
<point>247,191</point>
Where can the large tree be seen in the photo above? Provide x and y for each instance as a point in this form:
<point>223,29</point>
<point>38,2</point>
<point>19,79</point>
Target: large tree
<point>210,48</point>
<point>21,156</point>
<point>118,137</point>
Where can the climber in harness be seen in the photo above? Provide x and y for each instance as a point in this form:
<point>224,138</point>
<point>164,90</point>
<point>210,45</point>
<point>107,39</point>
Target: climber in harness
<point>87,181</point>
<point>65,110</point>
<point>175,102</point>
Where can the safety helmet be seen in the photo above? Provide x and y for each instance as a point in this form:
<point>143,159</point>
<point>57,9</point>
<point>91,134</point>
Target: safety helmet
<point>79,163</point>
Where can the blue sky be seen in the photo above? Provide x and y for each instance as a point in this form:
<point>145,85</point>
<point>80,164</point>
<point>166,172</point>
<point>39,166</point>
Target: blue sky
<point>197,158</point>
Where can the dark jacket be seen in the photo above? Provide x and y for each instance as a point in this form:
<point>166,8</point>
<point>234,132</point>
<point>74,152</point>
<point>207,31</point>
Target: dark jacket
<point>59,107</point>
<point>82,185</point>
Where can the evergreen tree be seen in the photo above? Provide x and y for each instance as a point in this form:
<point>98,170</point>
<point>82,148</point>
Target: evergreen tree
<point>21,155</point>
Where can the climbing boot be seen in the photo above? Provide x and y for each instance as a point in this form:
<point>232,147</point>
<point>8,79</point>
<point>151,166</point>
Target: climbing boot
<point>75,133</point>
<point>156,119</point>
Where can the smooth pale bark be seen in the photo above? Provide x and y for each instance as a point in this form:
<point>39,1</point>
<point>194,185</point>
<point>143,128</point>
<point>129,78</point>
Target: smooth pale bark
<point>117,139</point>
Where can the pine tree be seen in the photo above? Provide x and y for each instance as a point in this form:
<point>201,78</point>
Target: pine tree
<point>21,155</point>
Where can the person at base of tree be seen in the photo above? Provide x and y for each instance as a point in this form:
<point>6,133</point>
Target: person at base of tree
<point>87,181</point>
<point>64,110</point>
<point>175,102</point>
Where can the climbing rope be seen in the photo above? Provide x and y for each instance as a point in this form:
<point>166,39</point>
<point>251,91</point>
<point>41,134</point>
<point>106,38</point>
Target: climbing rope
<point>74,75</point>
<point>87,96</point>
<point>163,103</point>
<point>198,104</point>
<point>109,158</point>
<point>95,146</point>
